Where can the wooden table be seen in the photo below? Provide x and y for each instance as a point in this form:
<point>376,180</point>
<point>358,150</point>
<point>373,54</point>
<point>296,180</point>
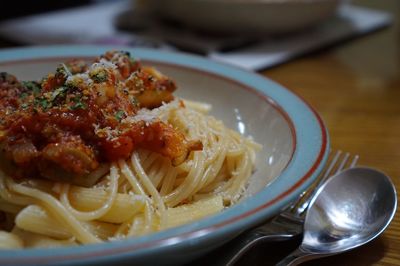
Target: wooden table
<point>355,87</point>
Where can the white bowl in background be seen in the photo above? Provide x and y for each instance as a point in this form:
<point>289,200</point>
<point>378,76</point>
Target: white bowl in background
<point>245,16</point>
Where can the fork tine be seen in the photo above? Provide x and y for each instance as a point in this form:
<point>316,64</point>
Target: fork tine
<point>325,173</point>
<point>354,162</point>
<point>301,205</point>
<point>342,163</point>
<point>331,165</point>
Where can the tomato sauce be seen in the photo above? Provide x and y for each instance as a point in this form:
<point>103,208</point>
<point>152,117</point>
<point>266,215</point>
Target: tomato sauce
<point>76,118</point>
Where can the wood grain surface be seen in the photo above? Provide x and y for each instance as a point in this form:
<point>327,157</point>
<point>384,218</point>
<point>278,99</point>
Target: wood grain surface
<point>355,87</point>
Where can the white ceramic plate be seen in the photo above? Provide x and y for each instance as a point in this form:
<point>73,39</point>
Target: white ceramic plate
<point>295,146</point>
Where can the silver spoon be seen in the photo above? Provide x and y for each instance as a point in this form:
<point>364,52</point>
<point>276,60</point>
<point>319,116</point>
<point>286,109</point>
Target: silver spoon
<point>349,210</point>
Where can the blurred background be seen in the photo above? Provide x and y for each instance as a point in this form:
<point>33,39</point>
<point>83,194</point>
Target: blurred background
<point>253,34</point>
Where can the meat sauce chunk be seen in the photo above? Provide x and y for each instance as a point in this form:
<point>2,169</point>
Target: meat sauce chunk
<point>81,116</point>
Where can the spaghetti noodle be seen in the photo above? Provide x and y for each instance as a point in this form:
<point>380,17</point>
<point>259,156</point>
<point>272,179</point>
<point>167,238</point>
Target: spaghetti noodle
<point>152,189</point>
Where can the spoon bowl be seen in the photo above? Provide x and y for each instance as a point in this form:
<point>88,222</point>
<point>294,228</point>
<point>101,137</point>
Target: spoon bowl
<point>349,210</point>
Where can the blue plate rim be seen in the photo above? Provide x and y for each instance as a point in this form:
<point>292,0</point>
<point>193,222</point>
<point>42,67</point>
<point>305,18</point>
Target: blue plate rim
<point>309,129</point>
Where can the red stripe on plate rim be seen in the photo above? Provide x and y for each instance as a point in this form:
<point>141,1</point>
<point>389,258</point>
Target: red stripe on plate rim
<point>201,231</point>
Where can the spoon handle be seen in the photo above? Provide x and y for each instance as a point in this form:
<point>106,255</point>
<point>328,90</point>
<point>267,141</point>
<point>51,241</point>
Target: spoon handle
<point>236,248</point>
<point>231,252</point>
<point>296,257</point>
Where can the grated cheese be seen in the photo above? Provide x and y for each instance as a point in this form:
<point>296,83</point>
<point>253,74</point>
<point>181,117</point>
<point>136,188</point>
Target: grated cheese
<point>80,77</point>
<point>103,63</point>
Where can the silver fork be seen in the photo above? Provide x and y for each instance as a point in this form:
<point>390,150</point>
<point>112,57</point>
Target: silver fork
<point>289,223</point>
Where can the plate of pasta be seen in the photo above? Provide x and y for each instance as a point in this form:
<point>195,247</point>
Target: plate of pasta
<point>121,155</point>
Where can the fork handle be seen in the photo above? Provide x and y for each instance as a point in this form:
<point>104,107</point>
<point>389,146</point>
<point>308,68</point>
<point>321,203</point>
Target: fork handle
<point>230,253</point>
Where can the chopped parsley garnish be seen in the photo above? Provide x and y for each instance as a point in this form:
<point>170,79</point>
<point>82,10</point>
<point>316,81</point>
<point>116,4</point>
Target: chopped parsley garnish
<point>78,104</point>
<point>23,95</point>
<point>99,76</point>
<point>42,102</point>
<point>32,86</point>
<point>60,72</point>
<point>119,115</point>
<point>58,93</point>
